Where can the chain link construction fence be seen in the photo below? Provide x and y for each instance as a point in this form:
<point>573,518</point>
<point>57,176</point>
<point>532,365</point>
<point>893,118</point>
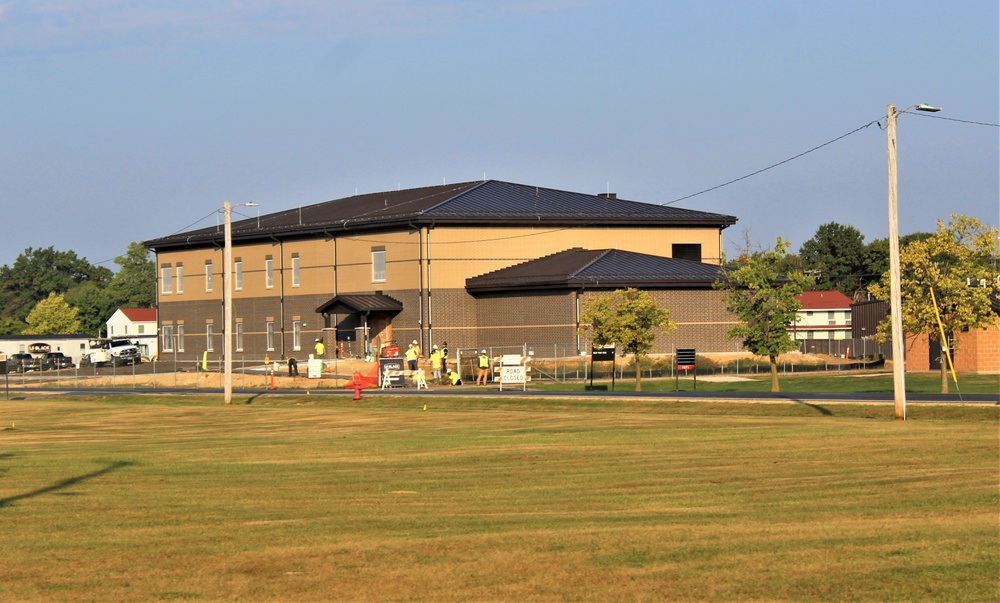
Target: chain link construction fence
<point>549,362</point>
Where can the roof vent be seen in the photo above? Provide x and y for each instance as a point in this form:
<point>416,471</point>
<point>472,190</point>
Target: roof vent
<point>608,195</point>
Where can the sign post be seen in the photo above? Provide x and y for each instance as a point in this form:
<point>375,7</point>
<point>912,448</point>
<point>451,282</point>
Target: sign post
<point>685,362</point>
<point>514,369</point>
<point>605,354</point>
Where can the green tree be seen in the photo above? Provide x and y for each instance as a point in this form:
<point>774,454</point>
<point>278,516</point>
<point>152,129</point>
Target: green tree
<point>628,318</point>
<point>835,255</point>
<point>95,304</point>
<point>964,251</point>
<point>876,256</point>
<point>38,272</point>
<point>53,316</point>
<point>763,301</point>
<point>134,285</point>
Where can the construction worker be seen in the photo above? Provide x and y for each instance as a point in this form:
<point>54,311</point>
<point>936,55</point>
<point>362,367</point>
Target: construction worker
<point>454,378</point>
<point>444,354</point>
<point>320,350</point>
<point>436,363</point>
<point>484,368</point>
<point>411,356</point>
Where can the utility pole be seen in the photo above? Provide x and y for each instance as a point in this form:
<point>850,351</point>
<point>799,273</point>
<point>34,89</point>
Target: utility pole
<point>895,288</point>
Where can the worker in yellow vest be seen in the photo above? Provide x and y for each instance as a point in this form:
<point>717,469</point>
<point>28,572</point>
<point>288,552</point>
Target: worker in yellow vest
<point>411,357</point>
<point>436,362</point>
<point>484,368</point>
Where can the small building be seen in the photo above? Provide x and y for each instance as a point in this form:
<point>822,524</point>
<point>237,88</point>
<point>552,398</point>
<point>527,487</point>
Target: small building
<point>73,346</point>
<point>138,324</point>
<point>824,315</point>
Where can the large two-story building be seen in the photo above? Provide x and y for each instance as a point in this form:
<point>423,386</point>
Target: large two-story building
<point>475,264</point>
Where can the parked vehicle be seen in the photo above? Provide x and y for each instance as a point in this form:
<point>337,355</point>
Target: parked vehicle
<point>115,352</point>
<point>57,360</point>
<point>21,363</point>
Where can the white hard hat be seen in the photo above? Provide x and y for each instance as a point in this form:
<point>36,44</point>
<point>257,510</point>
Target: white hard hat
<point>483,352</point>
<point>317,340</point>
<point>434,347</point>
<point>414,342</point>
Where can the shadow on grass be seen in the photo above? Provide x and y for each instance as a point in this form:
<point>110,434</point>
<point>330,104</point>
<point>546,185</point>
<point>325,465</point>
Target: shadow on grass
<point>66,483</point>
<point>823,411</point>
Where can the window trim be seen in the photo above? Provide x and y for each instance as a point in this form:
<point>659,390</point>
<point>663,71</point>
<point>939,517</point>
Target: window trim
<point>269,273</point>
<point>376,263</point>
<point>209,276</point>
<point>168,338</point>
<point>166,279</point>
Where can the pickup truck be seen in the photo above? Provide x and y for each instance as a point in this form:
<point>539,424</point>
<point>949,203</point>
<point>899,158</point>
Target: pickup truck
<point>57,360</point>
<point>21,363</point>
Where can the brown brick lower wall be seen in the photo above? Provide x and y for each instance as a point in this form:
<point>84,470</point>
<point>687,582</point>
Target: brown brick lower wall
<point>544,321</point>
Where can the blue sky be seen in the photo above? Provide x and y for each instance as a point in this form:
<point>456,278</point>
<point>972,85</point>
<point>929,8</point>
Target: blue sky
<point>126,120</point>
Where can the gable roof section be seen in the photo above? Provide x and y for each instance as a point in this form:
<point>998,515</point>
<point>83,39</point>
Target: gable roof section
<point>359,304</point>
<point>579,268</point>
<point>139,314</point>
<point>824,300</point>
<point>490,202</point>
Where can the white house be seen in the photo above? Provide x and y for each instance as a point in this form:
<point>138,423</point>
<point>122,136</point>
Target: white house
<point>138,324</point>
<point>824,315</point>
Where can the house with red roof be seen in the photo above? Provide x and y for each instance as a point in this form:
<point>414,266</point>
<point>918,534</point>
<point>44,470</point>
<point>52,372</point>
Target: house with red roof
<point>824,315</point>
<point>138,324</point>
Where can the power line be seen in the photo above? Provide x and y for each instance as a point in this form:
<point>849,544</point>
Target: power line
<point>816,148</point>
<point>961,121</point>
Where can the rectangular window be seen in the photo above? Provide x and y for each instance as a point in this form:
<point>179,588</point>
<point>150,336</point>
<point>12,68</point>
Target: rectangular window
<point>168,338</point>
<point>296,335</point>
<point>142,329</point>
<point>269,273</point>
<point>180,278</point>
<point>209,337</point>
<point>686,251</point>
<point>167,278</point>
<point>208,276</point>
<point>239,337</point>
<point>295,271</point>
<point>270,336</point>
<point>238,269</point>
<point>180,338</point>
<point>378,265</point>
<point>126,329</point>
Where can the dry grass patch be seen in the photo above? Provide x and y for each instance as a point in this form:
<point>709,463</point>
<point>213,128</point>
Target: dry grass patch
<point>179,499</point>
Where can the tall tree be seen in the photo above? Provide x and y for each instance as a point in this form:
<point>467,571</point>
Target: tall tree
<point>763,301</point>
<point>876,256</point>
<point>628,318</point>
<point>95,303</point>
<point>134,285</point>
<point>944,264</point>
<point>53,316</point>
<point>835,255</point>
<point>38,272</point>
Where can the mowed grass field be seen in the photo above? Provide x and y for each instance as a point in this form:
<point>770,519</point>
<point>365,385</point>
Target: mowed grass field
<point>317,498</point>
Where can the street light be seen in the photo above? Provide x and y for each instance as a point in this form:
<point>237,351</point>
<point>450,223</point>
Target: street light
<point>227,299</point>
<point>895,293</point>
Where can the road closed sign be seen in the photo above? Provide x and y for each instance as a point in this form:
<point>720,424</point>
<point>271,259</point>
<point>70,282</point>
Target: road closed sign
<point>512,374</point>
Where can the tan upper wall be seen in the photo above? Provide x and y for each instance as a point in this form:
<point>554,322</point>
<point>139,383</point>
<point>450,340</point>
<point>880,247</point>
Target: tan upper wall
<point>450,255</point>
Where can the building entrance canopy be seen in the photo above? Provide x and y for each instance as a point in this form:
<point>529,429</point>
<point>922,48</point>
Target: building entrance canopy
<point>361,304</point>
